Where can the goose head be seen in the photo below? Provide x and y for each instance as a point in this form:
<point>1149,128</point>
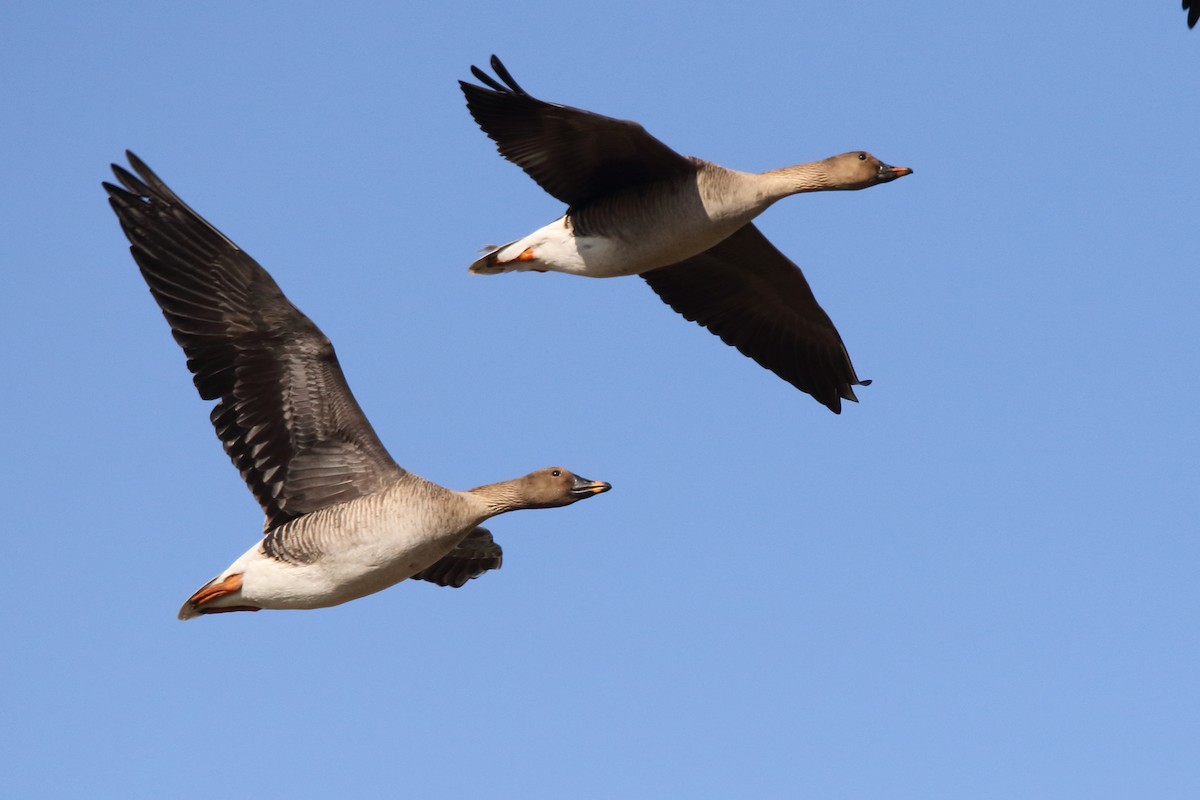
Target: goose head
<point>859,169</point>
<point>556,486</point>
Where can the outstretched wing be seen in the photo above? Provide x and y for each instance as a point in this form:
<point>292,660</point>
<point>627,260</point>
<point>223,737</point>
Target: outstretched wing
<point>573,154</point>
<point>284,413</point>
<point>752,296</point>
<point>474,556</point>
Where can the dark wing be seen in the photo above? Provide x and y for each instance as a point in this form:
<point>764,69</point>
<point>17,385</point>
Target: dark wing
<point>474,556</point>
<point>573,154</point>
<point>1193,9</point>
<point>748,293</point>
<point>285,413</point>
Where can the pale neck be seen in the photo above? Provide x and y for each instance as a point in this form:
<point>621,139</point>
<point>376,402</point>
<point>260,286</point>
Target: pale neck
<point>811,177</point>
<point>498,498</point>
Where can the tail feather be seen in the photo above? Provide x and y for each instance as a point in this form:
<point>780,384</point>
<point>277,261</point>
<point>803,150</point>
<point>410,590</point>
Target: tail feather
<point>486,264</point>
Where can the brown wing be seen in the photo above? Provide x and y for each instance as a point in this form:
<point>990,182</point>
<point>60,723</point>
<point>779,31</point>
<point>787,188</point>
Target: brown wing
<point>285,414</point>
<point>474,556</point>
<point>573,154</point>
<point>748,293</point>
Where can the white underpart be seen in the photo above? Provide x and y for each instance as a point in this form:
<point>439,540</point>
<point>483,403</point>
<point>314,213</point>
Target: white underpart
<point>652,229</point>
<point>366,549</point>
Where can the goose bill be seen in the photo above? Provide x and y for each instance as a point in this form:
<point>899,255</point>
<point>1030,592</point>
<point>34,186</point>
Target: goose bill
<point>586,488</point>
<point>889,173</point>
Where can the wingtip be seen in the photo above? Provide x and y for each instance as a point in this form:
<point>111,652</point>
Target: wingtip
<point>506,84</point>
<point>846,392</point>
<point>131,183</point>
<point>145,174</point>
<point>503,74</point>
<point>134,161</point>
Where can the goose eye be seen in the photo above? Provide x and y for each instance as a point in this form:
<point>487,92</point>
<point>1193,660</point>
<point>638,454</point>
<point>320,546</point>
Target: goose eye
<point>862,156</point>
<point>556,472</point>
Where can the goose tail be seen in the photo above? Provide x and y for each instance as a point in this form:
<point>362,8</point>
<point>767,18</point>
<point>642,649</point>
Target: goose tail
<point>489,262</point>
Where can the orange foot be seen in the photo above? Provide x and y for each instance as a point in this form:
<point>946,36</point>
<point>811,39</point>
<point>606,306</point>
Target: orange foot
<point>524,255</point>
<point>216,590</point>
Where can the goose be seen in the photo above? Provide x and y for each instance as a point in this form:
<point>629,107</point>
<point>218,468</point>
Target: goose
<point>343,520</point>
<point>636,207</point>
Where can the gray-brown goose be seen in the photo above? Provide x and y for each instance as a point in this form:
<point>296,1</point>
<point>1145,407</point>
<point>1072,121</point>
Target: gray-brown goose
<point>343,520</point>
<point>635,206</point>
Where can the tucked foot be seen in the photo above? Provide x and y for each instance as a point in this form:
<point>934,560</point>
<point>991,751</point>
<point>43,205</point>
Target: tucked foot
<point>492,264</point>
<point>201,601</point>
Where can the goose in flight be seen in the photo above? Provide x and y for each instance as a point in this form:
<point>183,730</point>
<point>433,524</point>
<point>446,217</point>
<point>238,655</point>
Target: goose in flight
<point>343,520</point>
<point>636,207</point>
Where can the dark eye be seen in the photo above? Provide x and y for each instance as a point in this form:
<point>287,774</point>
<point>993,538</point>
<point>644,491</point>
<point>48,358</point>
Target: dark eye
<point>556,472</point>
<point>862,156</point>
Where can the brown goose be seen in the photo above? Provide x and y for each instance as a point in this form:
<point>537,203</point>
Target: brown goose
<point>343,520</point>
<point>636,207</point>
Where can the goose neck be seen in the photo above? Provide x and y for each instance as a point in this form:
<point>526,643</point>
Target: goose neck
<point>497,498</point>
<point>811,177</point>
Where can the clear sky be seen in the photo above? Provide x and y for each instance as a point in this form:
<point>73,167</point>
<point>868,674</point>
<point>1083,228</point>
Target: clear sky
<point>979,582</point>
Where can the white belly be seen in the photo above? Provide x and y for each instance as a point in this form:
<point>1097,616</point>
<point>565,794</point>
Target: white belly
<point>557,248</point>
<point>361,563</point>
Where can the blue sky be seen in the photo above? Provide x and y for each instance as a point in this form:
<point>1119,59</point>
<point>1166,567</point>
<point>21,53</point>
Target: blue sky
<point>978,582</point>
